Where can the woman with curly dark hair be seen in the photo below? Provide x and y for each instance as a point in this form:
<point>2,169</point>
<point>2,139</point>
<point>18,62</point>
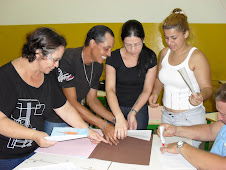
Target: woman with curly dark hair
<point>28,93</point>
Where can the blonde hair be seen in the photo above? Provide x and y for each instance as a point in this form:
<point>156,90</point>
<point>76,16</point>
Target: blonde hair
<point>177,19</point>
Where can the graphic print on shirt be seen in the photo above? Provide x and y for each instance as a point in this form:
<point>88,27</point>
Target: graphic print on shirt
<point>64,76</point>
<point>25,108</point>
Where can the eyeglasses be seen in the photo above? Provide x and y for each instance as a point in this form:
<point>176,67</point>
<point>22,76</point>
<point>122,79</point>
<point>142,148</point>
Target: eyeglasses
<point>52,59</point>
<point>135,45</point>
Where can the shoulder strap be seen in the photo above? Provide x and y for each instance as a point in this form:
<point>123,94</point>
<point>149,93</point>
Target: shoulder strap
<point>190,53</point>
<point>165,59</point>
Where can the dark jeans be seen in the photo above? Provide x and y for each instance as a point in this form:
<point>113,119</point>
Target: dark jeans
<point>142,116</point>
<point>9,164</point>
<point>50,125</point>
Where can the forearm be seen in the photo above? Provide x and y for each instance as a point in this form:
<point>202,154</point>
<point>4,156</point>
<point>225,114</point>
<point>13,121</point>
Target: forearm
<point>71,116</point>
<point>157,86</point>
<point>87,115</point>
<point>206,93</point>
<point>99,109</point>
<point>193,132</point>
<point>92,119</point>
<point>142,100</point>
<point>201,159</point>
<point>11,129</point>
<point>114,105</point>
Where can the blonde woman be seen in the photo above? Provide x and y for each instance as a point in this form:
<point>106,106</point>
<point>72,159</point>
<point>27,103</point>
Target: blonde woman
<point>181,106</point>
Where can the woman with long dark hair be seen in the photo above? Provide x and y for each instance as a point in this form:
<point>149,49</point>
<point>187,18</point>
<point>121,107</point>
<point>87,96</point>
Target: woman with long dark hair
<point>130,76</point>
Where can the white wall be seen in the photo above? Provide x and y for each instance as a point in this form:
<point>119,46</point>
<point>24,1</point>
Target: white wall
<point>25,12</point>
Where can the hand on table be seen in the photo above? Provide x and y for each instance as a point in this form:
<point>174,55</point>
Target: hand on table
<point>108,132</point>
<point>121,127</point>
<point>171,148</point>
<point>96,137</point>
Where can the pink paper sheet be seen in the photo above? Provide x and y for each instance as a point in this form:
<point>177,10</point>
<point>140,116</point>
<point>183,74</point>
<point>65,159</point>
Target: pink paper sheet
<point>77,147</point>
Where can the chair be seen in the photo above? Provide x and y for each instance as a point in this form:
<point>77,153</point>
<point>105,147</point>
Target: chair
<point>155,117</point>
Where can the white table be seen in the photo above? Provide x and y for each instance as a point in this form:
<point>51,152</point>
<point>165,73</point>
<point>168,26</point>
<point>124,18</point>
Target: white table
<point>41,159</point>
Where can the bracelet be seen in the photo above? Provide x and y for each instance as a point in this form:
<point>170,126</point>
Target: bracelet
<point>104,125</point>
<point>114,120</point>
<point>133,110</point>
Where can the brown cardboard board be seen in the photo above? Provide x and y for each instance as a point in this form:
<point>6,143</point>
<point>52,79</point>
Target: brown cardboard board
<point>129,150</point>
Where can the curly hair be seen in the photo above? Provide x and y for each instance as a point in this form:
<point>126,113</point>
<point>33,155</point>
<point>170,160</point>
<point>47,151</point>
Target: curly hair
<point>44,39</point>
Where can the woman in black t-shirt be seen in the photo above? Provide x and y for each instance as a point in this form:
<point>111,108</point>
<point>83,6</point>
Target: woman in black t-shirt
<point>28,92</point>
<point>130,75</point>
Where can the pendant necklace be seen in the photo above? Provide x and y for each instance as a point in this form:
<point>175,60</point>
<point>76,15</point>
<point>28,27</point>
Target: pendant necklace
<point>89,81</point>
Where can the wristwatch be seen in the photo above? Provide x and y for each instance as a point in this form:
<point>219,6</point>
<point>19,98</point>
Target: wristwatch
<point>179,145</point>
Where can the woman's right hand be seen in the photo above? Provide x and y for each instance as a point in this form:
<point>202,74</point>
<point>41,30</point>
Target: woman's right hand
<point>121,128</point>
<point>38,137</point>
<point>152,100</point>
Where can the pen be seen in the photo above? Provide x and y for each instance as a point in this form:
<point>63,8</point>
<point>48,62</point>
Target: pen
<point>162,128</point>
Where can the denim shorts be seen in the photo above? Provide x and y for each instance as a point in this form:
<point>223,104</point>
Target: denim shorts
<point>191,117</point>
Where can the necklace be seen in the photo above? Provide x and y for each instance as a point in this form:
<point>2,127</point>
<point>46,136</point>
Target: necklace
<point>84,67</point>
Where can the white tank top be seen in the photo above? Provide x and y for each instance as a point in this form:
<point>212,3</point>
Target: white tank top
<point>176,92</point>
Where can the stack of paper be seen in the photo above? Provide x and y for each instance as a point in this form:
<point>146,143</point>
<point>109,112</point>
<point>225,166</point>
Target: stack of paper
<point>186,78</point>
<point>66,133</point>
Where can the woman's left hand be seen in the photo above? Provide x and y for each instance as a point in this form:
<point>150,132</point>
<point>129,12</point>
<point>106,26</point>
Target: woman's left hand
<point>196,99</point>
<point>132,121</point>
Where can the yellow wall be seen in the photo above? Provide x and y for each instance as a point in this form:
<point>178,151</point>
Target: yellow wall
<point>209,38</point>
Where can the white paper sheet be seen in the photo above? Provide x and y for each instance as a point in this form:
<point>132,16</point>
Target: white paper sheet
<point>172,161</point>
<point>41,159</point>
<point>140,134</point>
<point>60,166</point>
<point>186,78</point>
<point>63,138</point>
